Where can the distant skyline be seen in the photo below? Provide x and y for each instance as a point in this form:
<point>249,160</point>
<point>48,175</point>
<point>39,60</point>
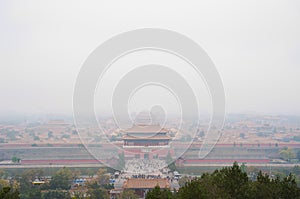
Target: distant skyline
<point>255,46</point>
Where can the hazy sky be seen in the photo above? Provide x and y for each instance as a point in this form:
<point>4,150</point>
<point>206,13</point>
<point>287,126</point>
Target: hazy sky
<point>255,46</point>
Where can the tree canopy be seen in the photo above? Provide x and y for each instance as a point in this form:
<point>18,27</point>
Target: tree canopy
<point>61,179</point>
<point>233,183</point>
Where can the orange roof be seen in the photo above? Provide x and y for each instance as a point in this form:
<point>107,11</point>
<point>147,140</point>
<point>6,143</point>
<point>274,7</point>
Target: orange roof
<point>146,129</point>
<point>134,183</point>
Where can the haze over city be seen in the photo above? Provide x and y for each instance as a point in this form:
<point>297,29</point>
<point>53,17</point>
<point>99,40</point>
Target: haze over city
<point>149,99</point>
<point>253,45</point>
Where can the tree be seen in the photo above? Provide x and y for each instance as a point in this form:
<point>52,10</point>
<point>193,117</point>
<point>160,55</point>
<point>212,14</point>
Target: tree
<point>78,195</point>
<point>27,190</point>
<point>102,177</point>
<point>3,173</point>
<point>27,177</point>
<point>233,180</point>
<point>287,154</point>
<point>76,174</point>
<point>4,183</point>
<point>56,194</point>
<point>32,193</point>
<point>229,182</point>
<point>263,187</point>
<point>243,167</point>
<point>289,188</point>
<point>96,192</point>
<point>61,179</point>
<point>8,193</point>
<point>195,189</point>
<point>15,159</point>
<point>90,172</point>
<point>36,138</point>
<point>50,134</point>
<point>183,180</point>
<point>129,194</point>
<point>97,189</point>
<point>66,136</point>
<point>158,193</point>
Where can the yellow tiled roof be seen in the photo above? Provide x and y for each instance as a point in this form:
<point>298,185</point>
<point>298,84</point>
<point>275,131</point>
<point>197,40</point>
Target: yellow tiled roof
<point>134,183</point>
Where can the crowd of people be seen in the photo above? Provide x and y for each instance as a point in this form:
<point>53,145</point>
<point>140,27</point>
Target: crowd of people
<point>143,176</point>
<point>144,166</point>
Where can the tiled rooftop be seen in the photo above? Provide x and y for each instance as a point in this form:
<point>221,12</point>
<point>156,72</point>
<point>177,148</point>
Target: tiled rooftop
<point>146,183</point>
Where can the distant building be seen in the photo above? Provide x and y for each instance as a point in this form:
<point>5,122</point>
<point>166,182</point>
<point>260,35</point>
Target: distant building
<point>146,142</point>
